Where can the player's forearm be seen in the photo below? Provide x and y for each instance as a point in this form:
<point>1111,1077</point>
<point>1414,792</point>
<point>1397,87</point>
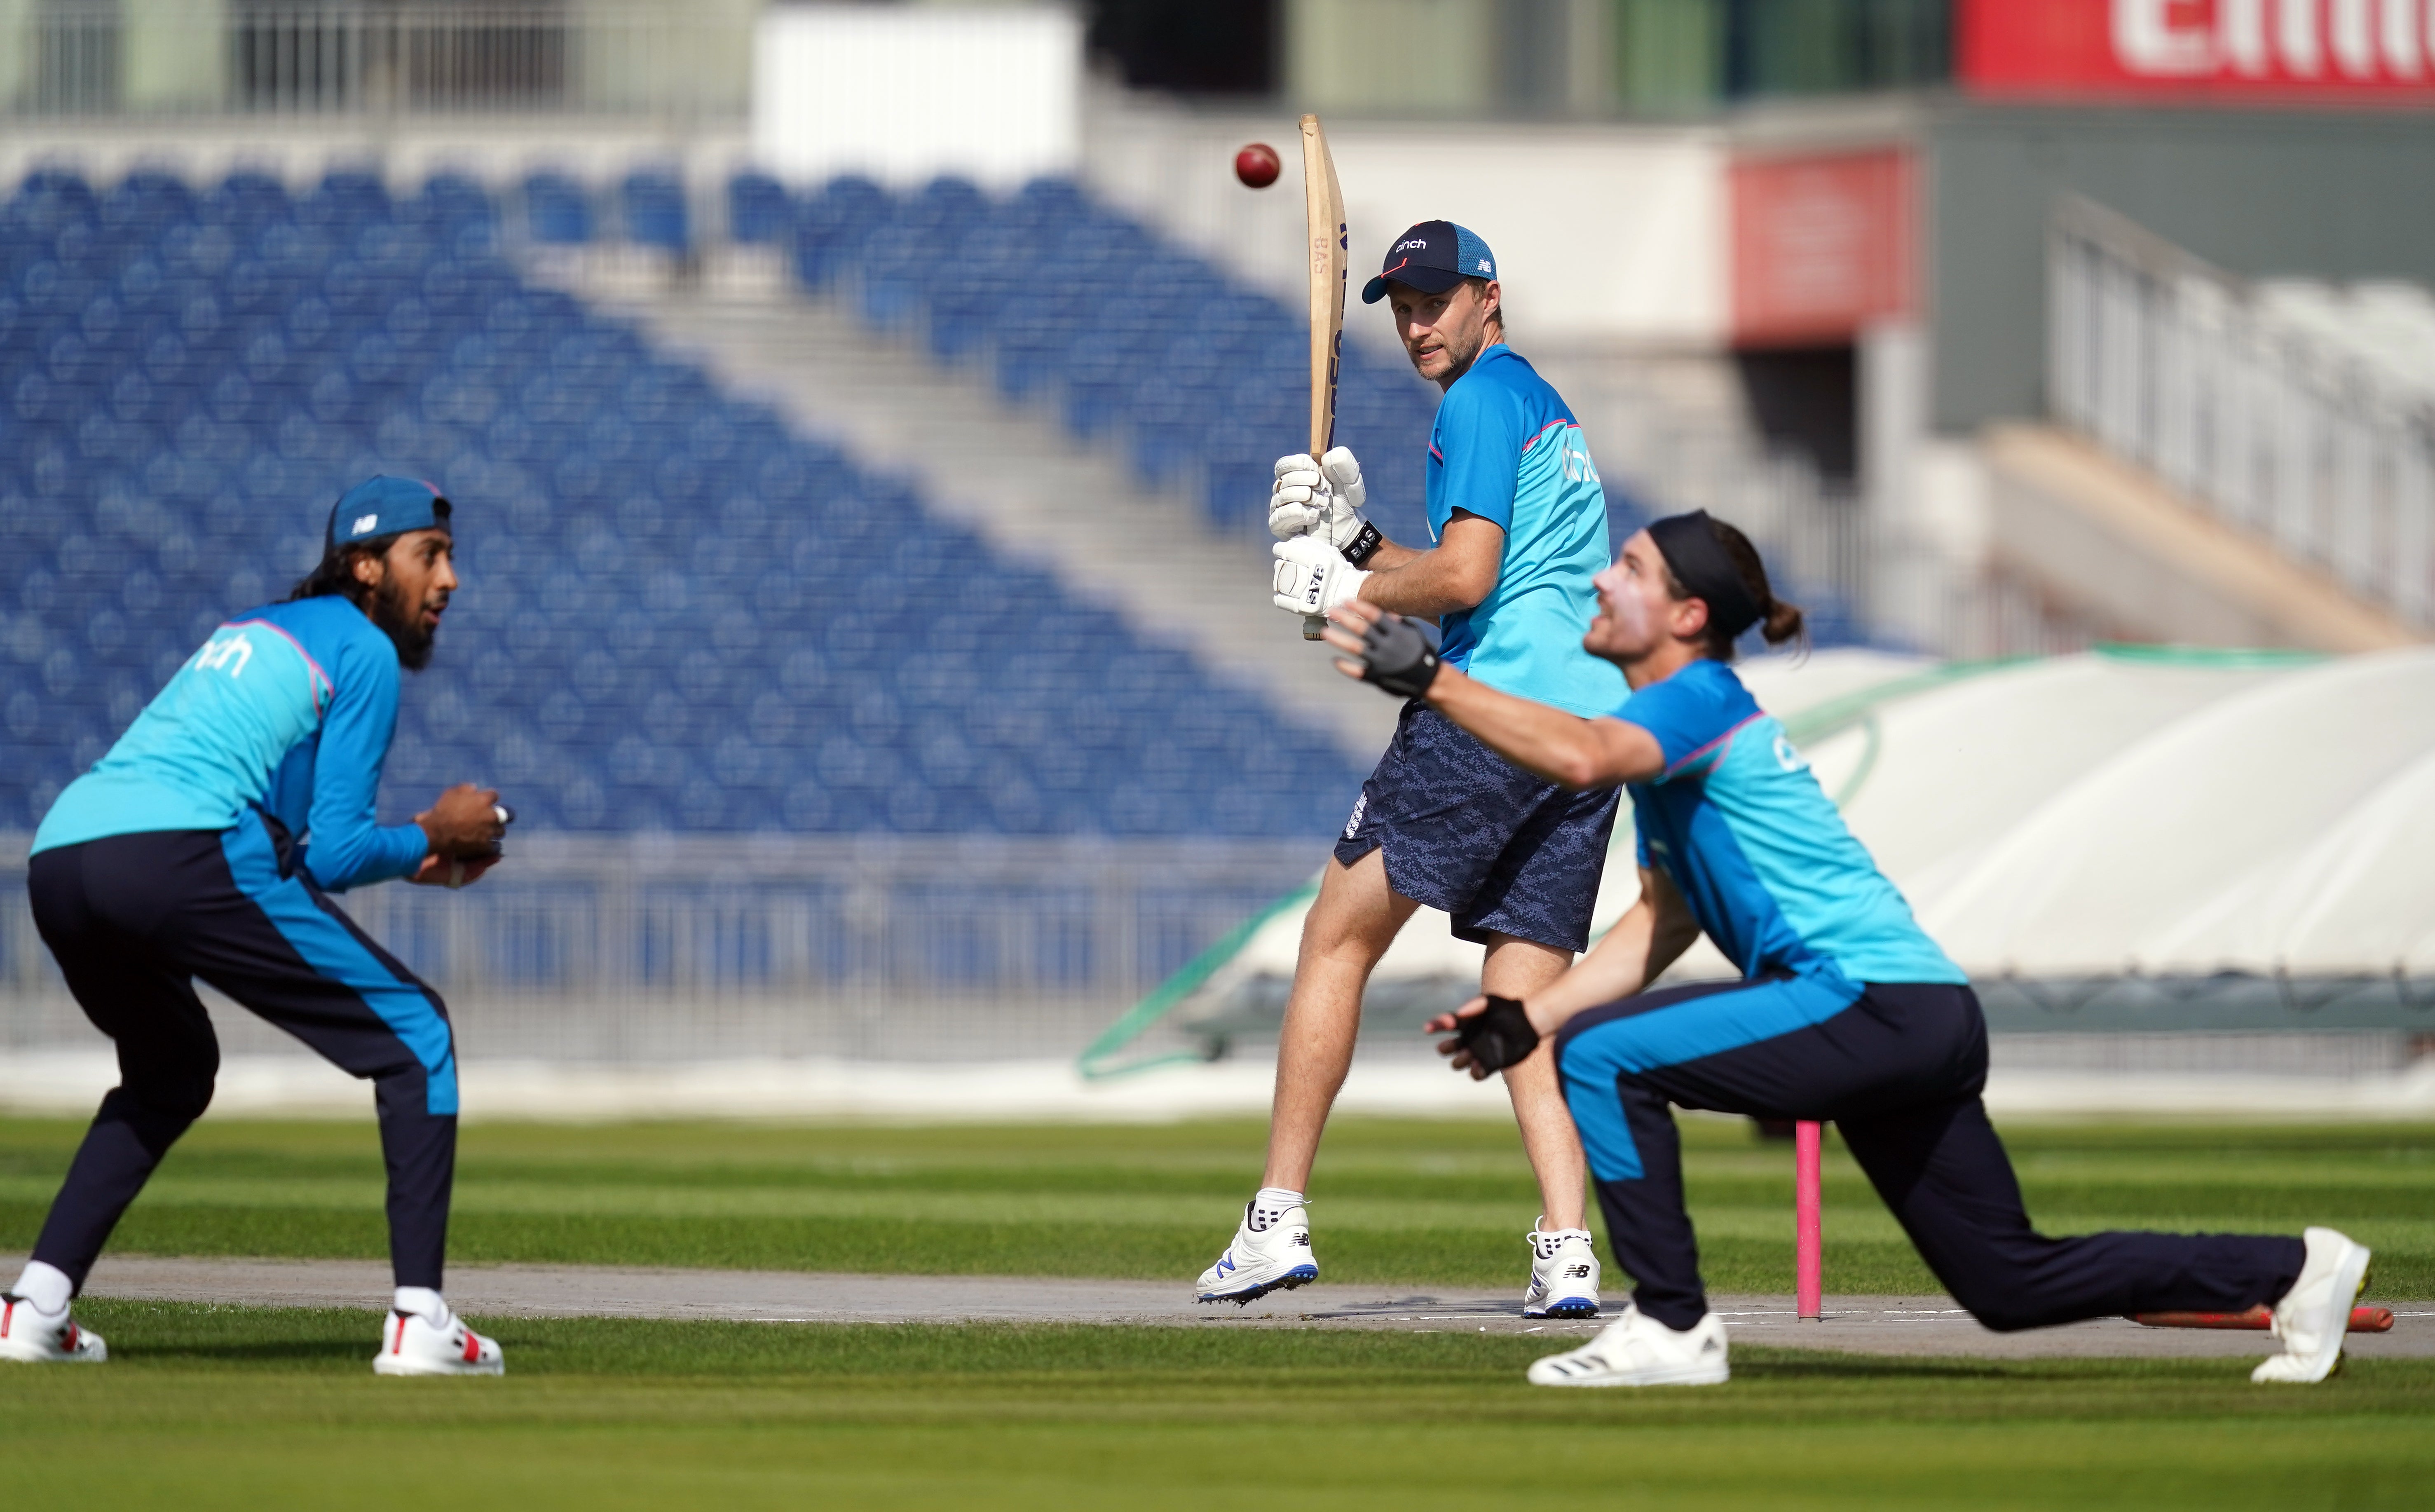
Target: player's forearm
<point>1618,967</point>
<point>352,855</point>
<point>1424,585</point>
<point>1560,747</point>
<point>1674,928</point>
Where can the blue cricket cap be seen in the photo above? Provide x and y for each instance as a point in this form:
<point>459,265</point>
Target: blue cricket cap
<point>385,506</point>
<point>1433,257</point>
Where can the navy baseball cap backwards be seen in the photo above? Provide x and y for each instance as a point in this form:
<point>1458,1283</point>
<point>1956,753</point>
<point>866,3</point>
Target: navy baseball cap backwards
<point>1433,257</point>
<point>385,506</point>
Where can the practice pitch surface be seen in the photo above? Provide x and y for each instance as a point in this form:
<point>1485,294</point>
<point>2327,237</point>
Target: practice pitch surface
<point>1863,1324</point>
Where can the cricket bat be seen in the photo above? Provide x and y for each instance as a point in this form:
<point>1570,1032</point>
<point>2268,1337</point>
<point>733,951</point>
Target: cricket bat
<point>1330,250</point>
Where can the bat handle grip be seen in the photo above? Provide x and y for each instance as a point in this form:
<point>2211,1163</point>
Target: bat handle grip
<point>1313,627</point>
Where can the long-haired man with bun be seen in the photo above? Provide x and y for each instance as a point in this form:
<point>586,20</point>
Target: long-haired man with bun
<point>207,844</point>
<point>1844,1009</point>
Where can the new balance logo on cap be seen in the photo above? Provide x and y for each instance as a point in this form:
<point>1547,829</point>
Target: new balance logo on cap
<point>383,506</point>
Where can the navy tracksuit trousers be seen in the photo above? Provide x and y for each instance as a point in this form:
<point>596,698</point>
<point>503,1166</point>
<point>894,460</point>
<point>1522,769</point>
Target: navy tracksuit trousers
<point>133,919</point>
<point>1898,1069</point>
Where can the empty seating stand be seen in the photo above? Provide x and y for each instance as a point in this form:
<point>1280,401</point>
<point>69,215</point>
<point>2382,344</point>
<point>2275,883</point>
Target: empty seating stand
<point>677,614</point>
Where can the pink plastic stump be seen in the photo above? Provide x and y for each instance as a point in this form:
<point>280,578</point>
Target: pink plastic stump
<point>1808,1243</point>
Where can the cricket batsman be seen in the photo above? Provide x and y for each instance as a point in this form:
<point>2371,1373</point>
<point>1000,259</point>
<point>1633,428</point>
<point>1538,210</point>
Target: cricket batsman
<point>1845,1009</point>
<point>207,844</point>
<point>1518,522</point>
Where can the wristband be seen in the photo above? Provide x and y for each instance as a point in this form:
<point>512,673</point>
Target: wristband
<point>1365,545</point>
<point>1498,1036</point>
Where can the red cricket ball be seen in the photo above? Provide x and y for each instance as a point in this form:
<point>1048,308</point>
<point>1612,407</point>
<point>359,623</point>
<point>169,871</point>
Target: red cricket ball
<point>1257,165</point>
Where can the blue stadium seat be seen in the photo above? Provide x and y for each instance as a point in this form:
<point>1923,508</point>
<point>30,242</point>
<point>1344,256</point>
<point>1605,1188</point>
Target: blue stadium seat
<point>654,208</point>
<point>759,210</point>
<point>558,212</point>
<point>662,624</point>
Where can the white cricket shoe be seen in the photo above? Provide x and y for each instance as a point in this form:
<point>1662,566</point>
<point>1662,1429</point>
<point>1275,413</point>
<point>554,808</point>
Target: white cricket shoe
<point>1637,1350</point>
<point>1563,1275</point>
<point>413,1345</point>
<point>2315,1315</point>
<point>1274,1258</point>
<point>28,1334</point>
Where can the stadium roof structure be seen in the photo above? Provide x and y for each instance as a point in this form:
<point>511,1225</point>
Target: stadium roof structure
<point>2128,838</point>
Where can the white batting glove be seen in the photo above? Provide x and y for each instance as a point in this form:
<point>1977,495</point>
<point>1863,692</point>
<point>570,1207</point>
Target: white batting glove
<point>1294,504</point>
<point>1322,498</point>
<point>1312,576</point>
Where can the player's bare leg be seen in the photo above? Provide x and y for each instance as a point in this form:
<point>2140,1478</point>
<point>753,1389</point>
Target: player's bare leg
<point>1518,969</point>
<point>1356,917</point>
<point>1348,927</point>
<point>1563,1265</point>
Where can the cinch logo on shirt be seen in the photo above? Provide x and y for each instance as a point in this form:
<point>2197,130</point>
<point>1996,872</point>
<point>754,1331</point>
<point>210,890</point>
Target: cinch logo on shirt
<point>221,651</point>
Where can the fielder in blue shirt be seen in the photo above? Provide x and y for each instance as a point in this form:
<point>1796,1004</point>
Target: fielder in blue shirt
<point>1517,529</point>
<point>1844,1008</point>
<point>207,844</point>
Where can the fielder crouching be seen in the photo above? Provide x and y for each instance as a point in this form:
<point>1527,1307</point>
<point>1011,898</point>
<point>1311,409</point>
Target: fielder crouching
<point>1845,1010</point>
<point>206,845</point>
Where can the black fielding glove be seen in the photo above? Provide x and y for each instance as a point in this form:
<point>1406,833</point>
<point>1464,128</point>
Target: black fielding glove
<point>1498,1036</point>
<point>1396,656</point>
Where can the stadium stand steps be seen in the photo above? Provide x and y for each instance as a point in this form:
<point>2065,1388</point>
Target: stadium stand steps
<point>1032,491</point>
<point>670,619</point>
<point>1142,350</point>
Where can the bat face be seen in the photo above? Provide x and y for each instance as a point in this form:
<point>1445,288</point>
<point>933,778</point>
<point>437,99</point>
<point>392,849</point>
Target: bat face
<point>1330,250</point>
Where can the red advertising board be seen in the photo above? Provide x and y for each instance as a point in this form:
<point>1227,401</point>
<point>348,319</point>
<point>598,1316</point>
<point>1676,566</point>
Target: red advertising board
<point>2360,51</point>
<point>1821,246</point>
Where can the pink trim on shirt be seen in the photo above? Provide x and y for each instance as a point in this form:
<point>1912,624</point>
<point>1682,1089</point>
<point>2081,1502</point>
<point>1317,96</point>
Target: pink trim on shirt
<point>323,680</point>
<point>1715,746</point>
<point>1552,424</point>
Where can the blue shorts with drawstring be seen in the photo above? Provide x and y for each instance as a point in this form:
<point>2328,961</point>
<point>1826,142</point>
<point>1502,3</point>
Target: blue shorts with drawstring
<point>1468,832</point>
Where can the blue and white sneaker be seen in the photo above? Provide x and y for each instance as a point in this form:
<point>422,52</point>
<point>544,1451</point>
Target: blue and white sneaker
<point>1273,1257</point>
<point>1563,1275</point>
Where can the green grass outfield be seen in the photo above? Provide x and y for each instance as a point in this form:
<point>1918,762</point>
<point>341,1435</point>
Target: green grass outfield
<point>1434,1203</point>
<point>229,1407</point>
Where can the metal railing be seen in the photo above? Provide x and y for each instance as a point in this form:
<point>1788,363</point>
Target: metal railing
<point>656,948</point>
<point>333,57</point>
<point>2178,367</point>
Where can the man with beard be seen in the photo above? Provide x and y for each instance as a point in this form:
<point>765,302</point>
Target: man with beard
<point>206,845</point>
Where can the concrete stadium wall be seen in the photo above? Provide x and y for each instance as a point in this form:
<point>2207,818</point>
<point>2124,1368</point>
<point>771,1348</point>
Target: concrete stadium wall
<point>2254,192</point>
<point>2114,548</point>
<point>1605,235</point>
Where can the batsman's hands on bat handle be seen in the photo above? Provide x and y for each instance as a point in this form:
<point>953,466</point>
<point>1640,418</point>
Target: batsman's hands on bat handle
<point>1322,498</point>
<point>1491,1034</point>
<point>1312,578</point>
<point>467,824</point>
<point>1390,650</point>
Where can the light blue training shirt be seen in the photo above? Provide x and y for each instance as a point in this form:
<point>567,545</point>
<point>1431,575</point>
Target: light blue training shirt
<point>1506,447</point>
<point>288,710</point>
<point>1740,824</point>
